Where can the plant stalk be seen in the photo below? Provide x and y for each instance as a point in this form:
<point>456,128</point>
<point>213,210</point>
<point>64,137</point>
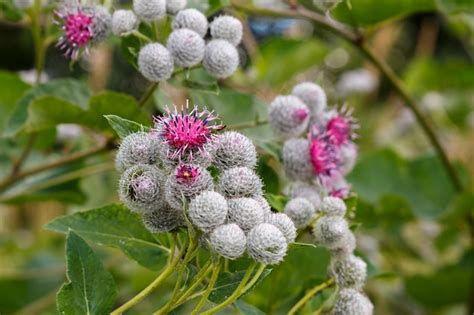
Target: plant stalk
<point>309,295</point>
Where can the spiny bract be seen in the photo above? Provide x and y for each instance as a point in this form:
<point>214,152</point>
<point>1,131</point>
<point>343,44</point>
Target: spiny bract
<point>284,224</point>
<point>150,10</point>
<point>163,219</point>
<point>333,206</point>
<point>297,160</point>
<point>312,95</point>
<point>330,231</point>
<point>350,301</point>
<point>191,19</point>
<point>123,21</point>
<point>350,272</point>
<point>174,6</point>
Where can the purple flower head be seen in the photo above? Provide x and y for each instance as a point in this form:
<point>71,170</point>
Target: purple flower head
<point>341,126</point>
<point>323,154</point>
<point>187,132</point>
<point>77,30</point>
<point>187,174</point>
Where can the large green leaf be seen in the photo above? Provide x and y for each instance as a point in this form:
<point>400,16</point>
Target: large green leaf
<point>303,55</point>
<point>114,225</point>
<point>422,182</point>
<point>69,90</point>
<point>123,127</point>
<point>371,12</point>
<point>302,266</point>
<point>12,90</point>
<point>90,288</point>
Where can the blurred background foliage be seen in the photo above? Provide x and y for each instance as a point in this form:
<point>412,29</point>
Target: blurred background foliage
<point>412,225</point>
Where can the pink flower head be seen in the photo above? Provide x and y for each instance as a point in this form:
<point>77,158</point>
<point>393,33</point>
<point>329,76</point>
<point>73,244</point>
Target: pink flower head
<point>337,186</point>
<point>187,174</point>
<point>340,127</point>
<point>77,27</point>
<point>323,154</point>
<point>187,132</point>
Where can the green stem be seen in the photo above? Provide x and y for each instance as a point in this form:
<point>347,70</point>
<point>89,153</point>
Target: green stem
<point>207,268</point>
<point>170,266</point>
<point>38,39</point>
<point>140,36</point>
<point>210,286</point>
<point>309,295</point>
<point>243,286</point>
<point>148,93</point>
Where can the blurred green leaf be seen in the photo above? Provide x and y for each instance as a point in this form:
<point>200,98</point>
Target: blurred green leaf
<point>228,282</point>
<point>247,309</point>
<point>277,202</point>
<point>12,90</point>
<point>364,13</point>
<point>303,55</point>
<point>68,90</point>
<point>90,288</point>
<point>123,127</point>
<point>202,86</point>
<point>427,74</point>
<point>455,6</point>
<point>271,181</point>
<point>216,5</point>
<point>423,181</point>
<point>114,225</point>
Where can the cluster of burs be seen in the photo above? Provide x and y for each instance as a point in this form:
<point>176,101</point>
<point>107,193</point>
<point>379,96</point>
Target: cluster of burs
<point>316,165</point>
<point>229,209</point>
<point>186,46</point>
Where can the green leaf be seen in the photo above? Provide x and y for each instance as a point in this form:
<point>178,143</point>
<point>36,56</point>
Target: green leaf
<point>202,86</point>
<point>12,90</point>
<point>422,182</point>
<point>69,90</point>
<point>123,127</point>
<point>269,176</point>
<point>455,6</point>
<point>247,309</point>
<point>228,282</point>
<point>365,13</point>
<point>114,225</point>
<point>235,108</point>
<point>113,103</point>
<point>90,288</point>
<point>277,202</point>
<point>303,55</point>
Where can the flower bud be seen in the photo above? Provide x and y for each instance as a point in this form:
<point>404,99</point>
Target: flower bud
<point>300,211</point>
<point>208,210</point>
<point>155,62</point>
<point>123,21</point>
<point>312,95</point>
<point>284,224</point>
<point>330,231</point>
<point>234,150</point>
<point>267,210</point>
<point>137,148</point>
<point>297,160</point>
<point>221,58</point>
<point>191,19</point>
<point>140,188</point>
<point>266,244</point>
<point>307,191</point>
<point>174,6</point>
<point>101,22</point>
<point>228,28</point>
<point>164,219</point>
<point>350,272</point>
<point>240,182</point>
<point>186,46</point>
<point>288,116</point>
<point>350,301</point>
<point>228,241</point>
<point>333,206</point>
<point>149,10</point>
<point>245,212</point>
<point>185,183</point>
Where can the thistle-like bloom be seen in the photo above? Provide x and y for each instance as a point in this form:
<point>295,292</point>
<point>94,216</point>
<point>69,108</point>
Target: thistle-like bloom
<point>245,212</point>
<point>300,211</point>
<point>284,224</point>
<point>240,182</point>
<point>348,157</point>
<point>186,182</point>
<point>266,244</point>
<point>82,26</point>
<point>233,150</point>
<point>331,231</point>
<point>228,28</point>
<point>208,210</point>
<point>333,206</point>
<point>288,116</point>
<point>312,95</point>
<point>137,148</point>
<point>187,133</point>
<point>296,159</point>
<point>228,241</point>
<point>163,219</point>
<point>307,191</point>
